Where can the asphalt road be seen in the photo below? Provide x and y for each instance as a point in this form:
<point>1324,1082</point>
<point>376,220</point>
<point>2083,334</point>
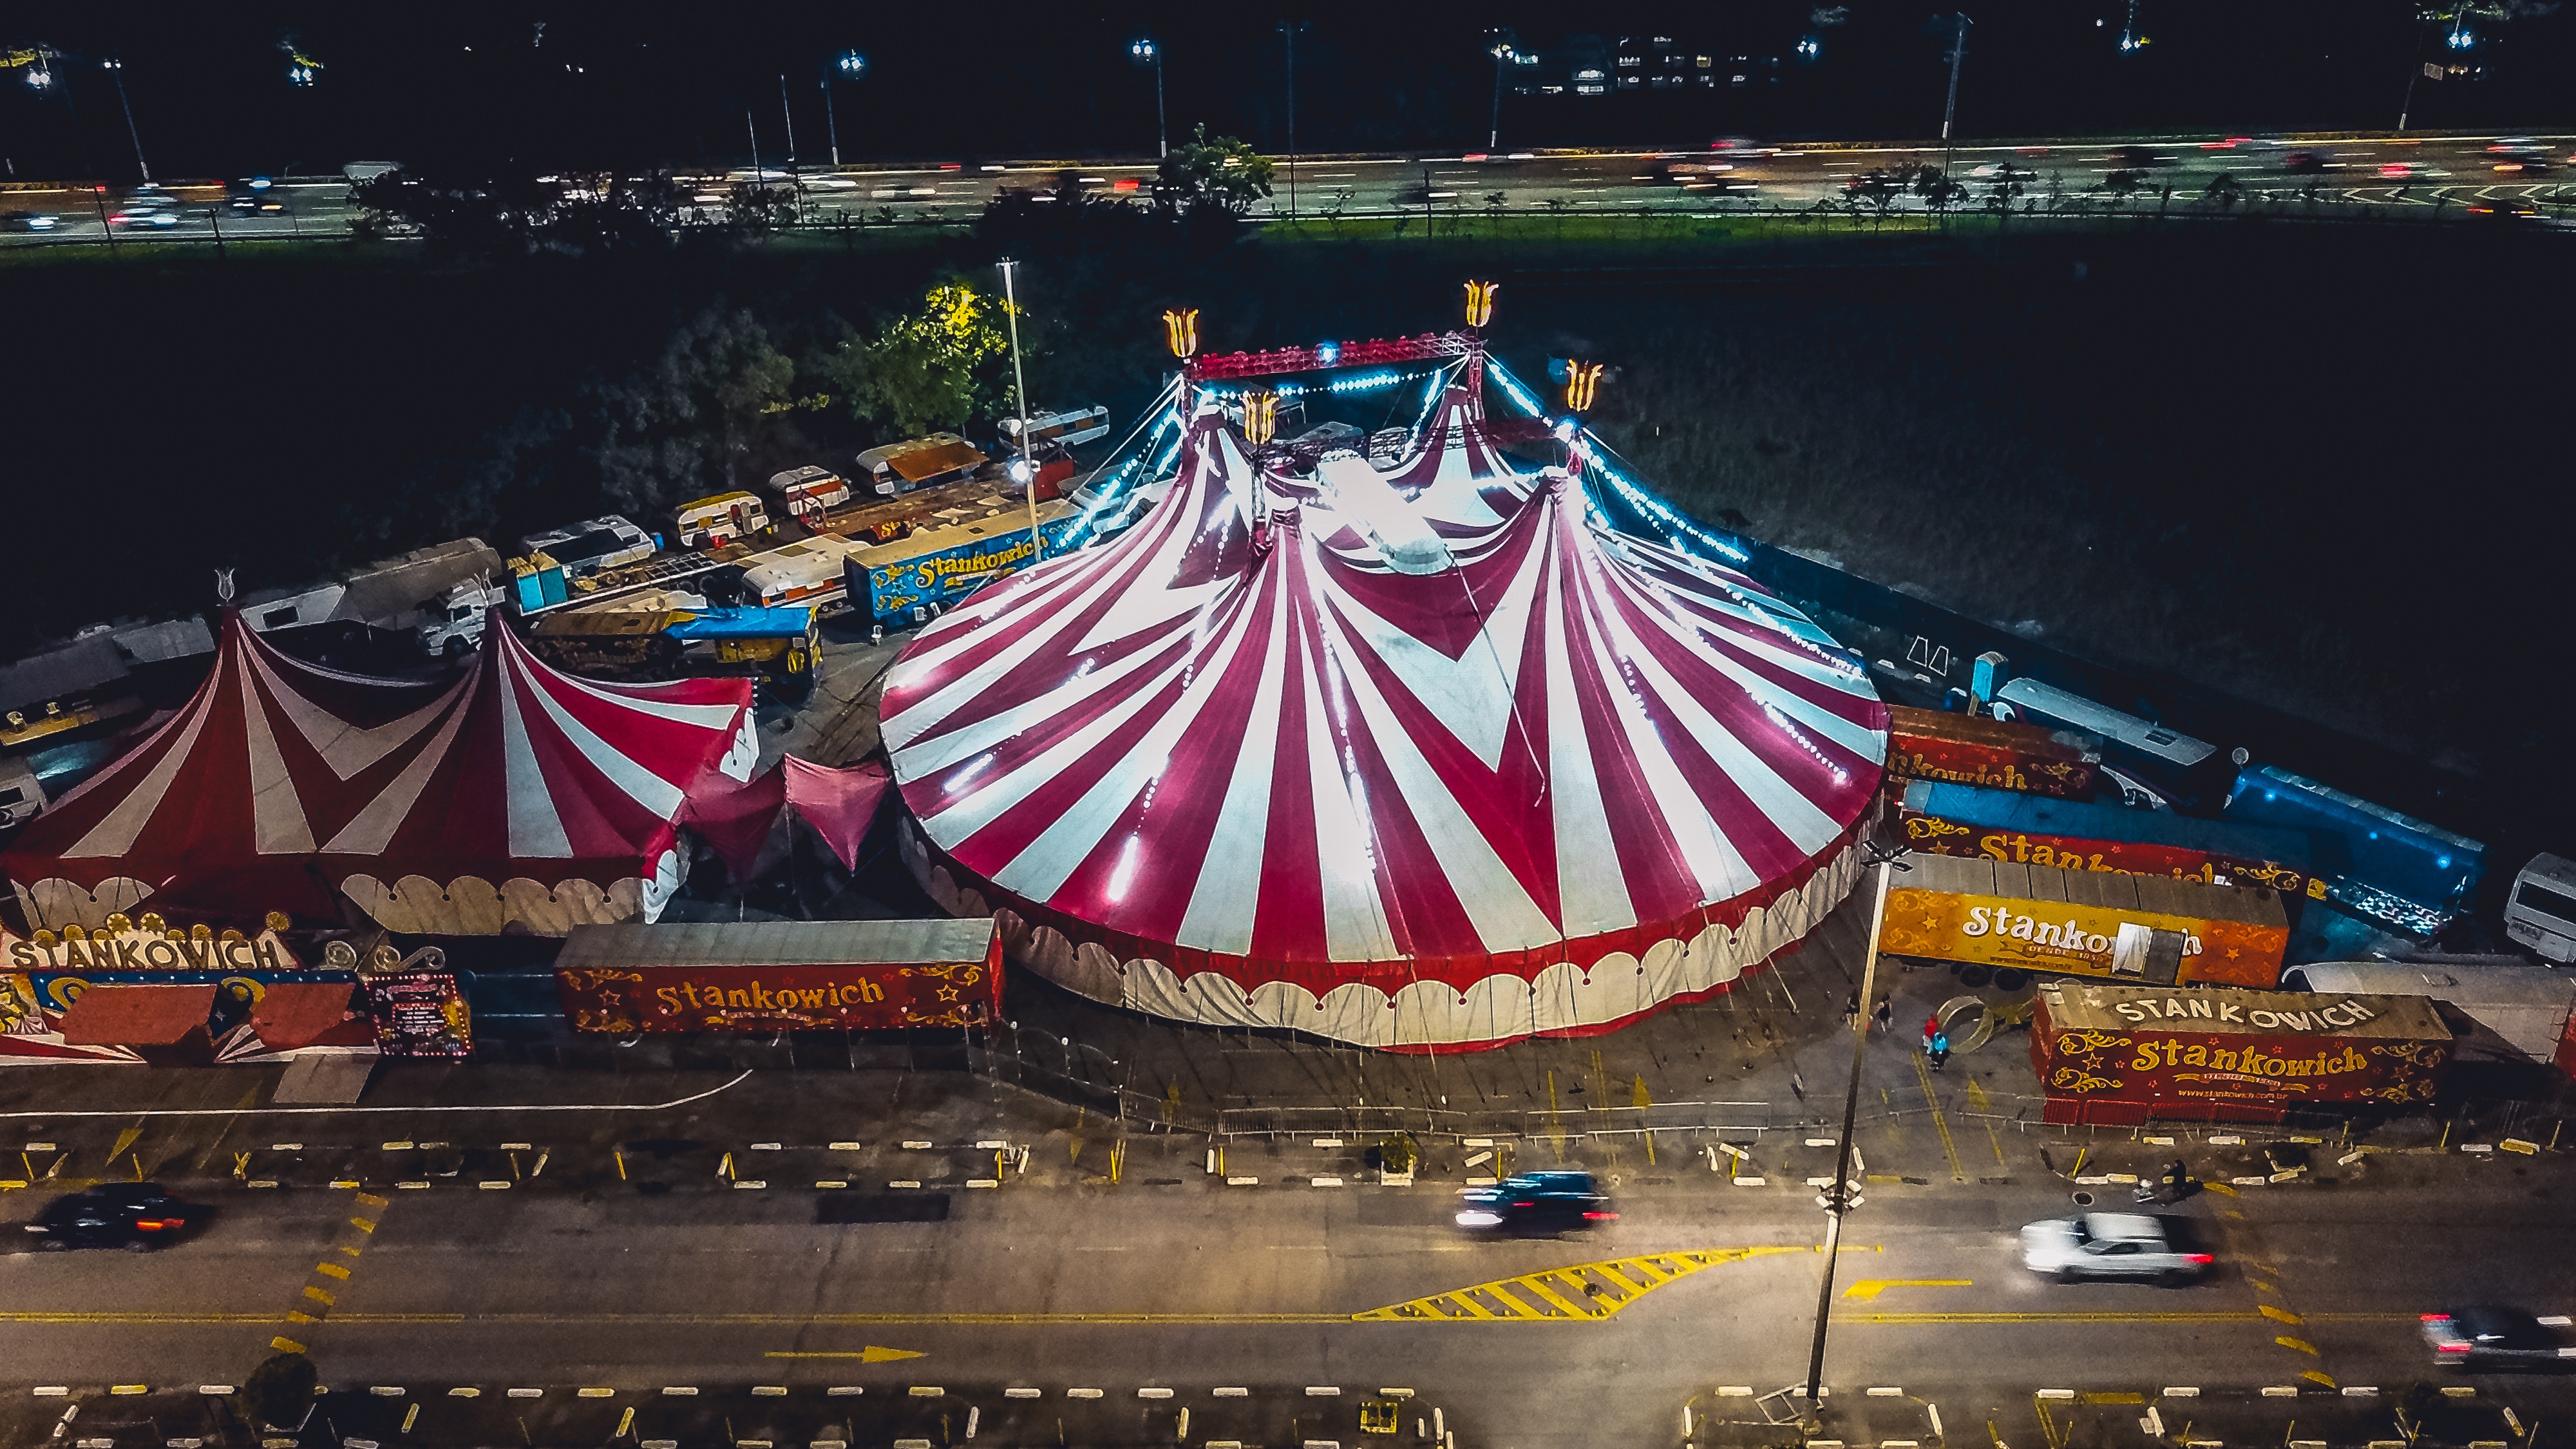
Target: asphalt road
<point>2448,172</point>
<point>1059,1279</point>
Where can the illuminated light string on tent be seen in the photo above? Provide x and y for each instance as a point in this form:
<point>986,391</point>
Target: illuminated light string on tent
<point>1341,753</point>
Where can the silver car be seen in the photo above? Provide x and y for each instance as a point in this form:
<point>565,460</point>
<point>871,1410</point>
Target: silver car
<point>2110,1245</point>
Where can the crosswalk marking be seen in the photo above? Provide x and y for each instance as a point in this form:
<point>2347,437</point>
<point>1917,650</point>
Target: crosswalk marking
<point>1581,1292</point>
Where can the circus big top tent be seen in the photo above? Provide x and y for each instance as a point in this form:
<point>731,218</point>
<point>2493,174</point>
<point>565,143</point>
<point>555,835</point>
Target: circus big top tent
<point>512,794</point>
<point>1422,757</point>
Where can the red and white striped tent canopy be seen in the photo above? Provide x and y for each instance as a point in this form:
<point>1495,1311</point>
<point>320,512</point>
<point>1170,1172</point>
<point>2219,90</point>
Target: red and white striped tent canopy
<point>1369,765</point>
<point>513,793</point>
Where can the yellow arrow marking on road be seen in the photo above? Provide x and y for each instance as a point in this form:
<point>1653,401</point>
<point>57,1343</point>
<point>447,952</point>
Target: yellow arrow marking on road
<point>869,1354</point>
<point>1581,1293</point>
<point>1867,1289</point>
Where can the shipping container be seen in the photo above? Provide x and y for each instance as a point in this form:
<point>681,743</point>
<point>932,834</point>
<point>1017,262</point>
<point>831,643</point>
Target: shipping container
<point>2042,920</point>
<point>2391,854</point>
<point>1927,744</point>
<point>2120,1055</point>
<point>1997,825</point>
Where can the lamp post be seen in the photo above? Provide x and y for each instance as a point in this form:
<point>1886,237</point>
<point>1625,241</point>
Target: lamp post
<point>1024,468</point>
<point>1950,108</point>
<point>787,113</point>
<point>1839,1198</point>
<point>848,65</point>
<point>1289,29</point>
<point>1143,51</point>
<point>115,67</point>
<point>1504,54</point>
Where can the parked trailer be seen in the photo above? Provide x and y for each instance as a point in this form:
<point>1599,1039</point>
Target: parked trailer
<point>2526,1006</point>
<point>2541,911</point>
<point>2122,1056</point>
<point>775,646</point>
<point>1993,916</point>
<point>2389,852</point>
<point>898,584</point>
<point>2150,760</point>
<point>1927,744</point>
<point>2034,830</point>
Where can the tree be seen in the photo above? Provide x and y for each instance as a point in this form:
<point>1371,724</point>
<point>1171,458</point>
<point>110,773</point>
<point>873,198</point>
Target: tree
<point>685,420</point>
<point>2122,185</point>
<point>1878,188</point>
<point>2223,191</point>
<point>279,1393</point>
<point>1221,175</point>
<point>1938,191</point>
<point>924,371</point>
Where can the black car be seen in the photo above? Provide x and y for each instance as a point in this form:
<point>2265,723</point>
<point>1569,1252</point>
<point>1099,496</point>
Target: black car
<point>2491,1337</point>
<point>136,1216</point>
<point>1535,1203</point>
<point>2135,158</point>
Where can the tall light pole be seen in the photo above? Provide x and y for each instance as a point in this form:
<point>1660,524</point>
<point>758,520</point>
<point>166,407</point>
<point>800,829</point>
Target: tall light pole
<point>1026,469</point>
<point>848,65</point>
<point>115,67</point>
<point>1839,1198</point>
<point>1289,28</point>
<point>788,113</point>
<point>1143,51</point>
<point>1503,53</point>
<point>1950,108</point>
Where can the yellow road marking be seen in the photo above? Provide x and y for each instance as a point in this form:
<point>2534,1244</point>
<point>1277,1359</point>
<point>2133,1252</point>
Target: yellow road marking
<point>1621,1281</point>
<point>2300,1344</point>
<point>1867,1289</point>
<point>285,1345</point>
<point>362,1225</point>
<point>1941,1124</point>
<point>319,1296</point>
<point>2064,1317</point>
<point>2115,1398</point>
<point>331,1269</point>
<point>2315,1377</point>
<point>2220,1188</point>
<point>870,1354</point>
<point>369,1199</point>
<point>2283,1314</point>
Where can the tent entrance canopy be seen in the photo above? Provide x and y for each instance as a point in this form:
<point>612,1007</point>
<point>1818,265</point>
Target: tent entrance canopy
<point>780,976</point>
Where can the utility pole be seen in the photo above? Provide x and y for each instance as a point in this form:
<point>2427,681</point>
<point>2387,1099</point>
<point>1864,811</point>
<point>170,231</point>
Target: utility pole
<point>790,116</point>
<point>831,127</point>
<point>1950,108</point>
<point>116,68</point>
<point>1839,1198</point>
<point>1028,468</point>
<point>1162,127</point>
<point>749,125</point>
<point>2406,107</point>
<point>1289,28</point>
<point>1494,131</point>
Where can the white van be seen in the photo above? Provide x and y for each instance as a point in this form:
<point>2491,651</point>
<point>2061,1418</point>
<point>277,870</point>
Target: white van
<point>808,493</point>
<point>2541,911</point>
<point>807,573</point>
<point>719,520</point>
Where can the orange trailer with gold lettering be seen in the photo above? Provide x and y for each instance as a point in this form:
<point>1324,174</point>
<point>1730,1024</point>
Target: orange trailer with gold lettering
<point>2041,920</point>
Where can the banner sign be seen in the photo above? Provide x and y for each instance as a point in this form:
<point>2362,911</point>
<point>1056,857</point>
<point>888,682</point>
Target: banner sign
<point>2236,1048</point>
<point>42,975</point>
<point>419,1014</point>
<point>1927,744</point>
<point>2077,938</point>
<point>736,998</point>
<point>1938,836</point>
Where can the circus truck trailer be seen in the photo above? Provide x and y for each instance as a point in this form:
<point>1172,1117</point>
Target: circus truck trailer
<point>1928,744</point>
<point>2123,1055</point>
<point>2001,826</point>
<point>2007,922</point>
<point>902,583</point>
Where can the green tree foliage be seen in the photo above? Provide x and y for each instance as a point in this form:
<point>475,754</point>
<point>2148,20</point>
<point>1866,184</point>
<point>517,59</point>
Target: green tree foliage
<point>678,428</point>
<point>279,1392</point>
<point>924,371</point>
<point>1203,174</point>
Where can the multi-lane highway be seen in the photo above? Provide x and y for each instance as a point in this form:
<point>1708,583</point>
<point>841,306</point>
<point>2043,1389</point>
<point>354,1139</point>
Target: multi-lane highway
<point>2430,173</point>
<point>932,1247</point>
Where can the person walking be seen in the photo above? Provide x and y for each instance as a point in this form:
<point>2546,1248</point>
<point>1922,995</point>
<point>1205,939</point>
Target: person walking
<point>1939,1049</point>
<point>1885,1016</point>
<point>1931,1029</point>
<point>1851,1011</point>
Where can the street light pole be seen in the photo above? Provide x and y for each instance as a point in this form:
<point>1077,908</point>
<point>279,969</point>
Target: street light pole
<point>1494,132</point>
<point>116,68</point>
<point>1950,108</point>
<point>1839,1198</point>
<point>789,115</point>
<point>1289,28</point>
<point>831,127</point>
<point>1020,387</point>
<point>1143,50</point>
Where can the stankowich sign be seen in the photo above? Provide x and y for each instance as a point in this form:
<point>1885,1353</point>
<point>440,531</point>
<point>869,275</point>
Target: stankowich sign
<point>2263,1049</point>
<point>780,976</point>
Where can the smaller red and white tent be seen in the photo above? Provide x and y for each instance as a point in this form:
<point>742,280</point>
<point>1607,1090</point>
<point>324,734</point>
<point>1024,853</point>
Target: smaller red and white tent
<point>513,795</point>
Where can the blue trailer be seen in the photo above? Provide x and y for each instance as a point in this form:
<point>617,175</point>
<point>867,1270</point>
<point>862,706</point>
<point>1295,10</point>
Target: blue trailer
<point>2001,825</point>
<point>898,583</point>
<point>2396,856</point>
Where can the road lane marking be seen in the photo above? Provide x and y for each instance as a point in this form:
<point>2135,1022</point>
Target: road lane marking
<point>1941,1124</point>
<point>1583,1292</point>
<point>869,1354</point>
<point>1867,1289</point>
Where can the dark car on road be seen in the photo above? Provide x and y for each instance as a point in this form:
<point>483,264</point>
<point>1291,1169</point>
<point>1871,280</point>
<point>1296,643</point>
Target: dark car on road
<point>2491,1337</point>
<point>2504,208</point>
<point>1535,1203</point>
<point>2135,158</point>
<point>254,196</point>
<point>136,1216</point>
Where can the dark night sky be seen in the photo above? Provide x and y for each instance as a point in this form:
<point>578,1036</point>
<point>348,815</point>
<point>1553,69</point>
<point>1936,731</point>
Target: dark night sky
<point>633,84</point>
